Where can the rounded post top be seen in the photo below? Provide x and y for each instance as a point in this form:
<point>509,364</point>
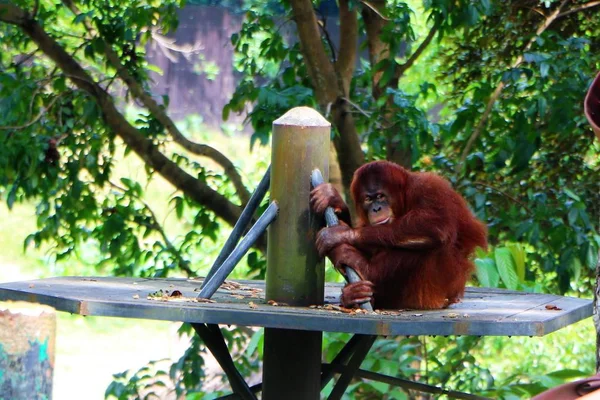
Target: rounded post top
<point>302,116</point>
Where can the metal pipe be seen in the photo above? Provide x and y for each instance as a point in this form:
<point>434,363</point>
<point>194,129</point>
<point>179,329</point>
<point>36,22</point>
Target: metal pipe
<point>241,224</point>
<point>350,369</point>
<point>406,384</point>
<point>212,337</point>
<point>331,220</point>
<point>328,371</point>
<point>236,255</point>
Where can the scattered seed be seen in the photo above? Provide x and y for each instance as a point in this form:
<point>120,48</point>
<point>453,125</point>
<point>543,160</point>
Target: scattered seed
<point>451,315</point>
<point>552,307</point>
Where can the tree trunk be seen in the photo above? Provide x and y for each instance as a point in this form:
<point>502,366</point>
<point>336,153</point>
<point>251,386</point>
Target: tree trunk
<point>330,81</point>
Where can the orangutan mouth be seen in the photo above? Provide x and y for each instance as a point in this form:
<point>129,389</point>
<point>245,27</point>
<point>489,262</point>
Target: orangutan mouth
<point>384,221</point>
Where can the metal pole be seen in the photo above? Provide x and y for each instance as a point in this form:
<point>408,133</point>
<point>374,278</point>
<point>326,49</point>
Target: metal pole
<point>331,220</point>
<point>236,255</point>
<point>213,339</point>
<point>241,224</point>
<point>353,365</point>
<point>295,272</point>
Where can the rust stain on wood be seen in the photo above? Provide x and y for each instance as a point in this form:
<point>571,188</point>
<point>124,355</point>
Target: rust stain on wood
<point>539,329</point>
<point>383,328</point>
<point>83,308</point>
<point>462,327</point>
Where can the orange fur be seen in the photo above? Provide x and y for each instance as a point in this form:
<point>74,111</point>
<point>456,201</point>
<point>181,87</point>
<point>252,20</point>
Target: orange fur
<point>421,259</point>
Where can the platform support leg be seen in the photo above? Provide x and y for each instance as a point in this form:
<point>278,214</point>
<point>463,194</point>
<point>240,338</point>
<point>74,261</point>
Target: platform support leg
<point>295,273</point>
<point>213,339</point>
<point>341,359</point>
<point>353,365</point>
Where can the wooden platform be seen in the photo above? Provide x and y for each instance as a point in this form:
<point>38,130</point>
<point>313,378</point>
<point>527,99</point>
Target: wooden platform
<point>482,311</point>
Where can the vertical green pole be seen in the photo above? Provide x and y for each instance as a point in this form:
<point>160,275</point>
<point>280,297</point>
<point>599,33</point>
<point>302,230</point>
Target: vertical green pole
<point>295,274</point>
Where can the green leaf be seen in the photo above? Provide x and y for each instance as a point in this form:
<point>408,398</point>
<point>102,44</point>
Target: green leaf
<point>179,204</point>
<point>571,194</point>
<point>12,196</point>
<point>544,68</point>
<point>89,51</point>
<point>132,185</point>
<point>487,273</point>
<point>591,257</point>
<point>542,106</point>
<point>506,267</point>
<point>572,216</point>
<point>536,57</point>
<point>519,256</point>
<point>381,387</point>
<point>575,268</point>
<point>256,338</point>
<point>522,154</point>
<point>566,374</point>
<point>60,83</point>
<point>154,68</point>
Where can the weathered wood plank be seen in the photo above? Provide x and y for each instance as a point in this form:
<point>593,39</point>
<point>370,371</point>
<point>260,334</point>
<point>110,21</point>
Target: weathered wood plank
<point>482,312</point>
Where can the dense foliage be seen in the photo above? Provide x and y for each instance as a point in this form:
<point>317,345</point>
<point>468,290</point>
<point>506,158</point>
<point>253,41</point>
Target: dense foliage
<point>487,94</point>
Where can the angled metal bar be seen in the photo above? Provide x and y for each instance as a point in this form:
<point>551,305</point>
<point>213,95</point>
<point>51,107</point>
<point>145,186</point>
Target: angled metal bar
<point>241,224</point>
<point>331,219</point>
<point>350,370</point>
<point>213,339</point>
<point>211,286</point>
<point>408,384</point>
<point>328,371</point>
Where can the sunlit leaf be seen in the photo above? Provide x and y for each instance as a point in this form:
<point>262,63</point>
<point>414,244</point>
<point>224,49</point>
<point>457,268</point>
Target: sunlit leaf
<point>506,267</point>
<point>487,272</point>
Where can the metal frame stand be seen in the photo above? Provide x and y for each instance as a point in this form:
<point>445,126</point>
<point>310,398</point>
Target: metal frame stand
<point>364,344</point>
<point>346,363</point>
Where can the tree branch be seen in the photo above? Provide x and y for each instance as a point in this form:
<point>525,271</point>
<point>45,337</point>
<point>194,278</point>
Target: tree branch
<point>43,111</point>
<point>348,42</point>
<point>197,190</point>
<point>160,114</point>
<point>579,8</point>
<point>319,66</point>
<point>424,44</point>
<point>329,89</point>
<point>496,94</point>
<point>323,28</point>
<point>374,23</point>
<point>372,14</point>
<point>508,196</point>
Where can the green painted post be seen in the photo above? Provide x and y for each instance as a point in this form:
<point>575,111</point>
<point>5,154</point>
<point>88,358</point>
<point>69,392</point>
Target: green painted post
<point>295,274</point>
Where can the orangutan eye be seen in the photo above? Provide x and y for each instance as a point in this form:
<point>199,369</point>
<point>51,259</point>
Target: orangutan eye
<point>368,199</point>
<point>379,196</point>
